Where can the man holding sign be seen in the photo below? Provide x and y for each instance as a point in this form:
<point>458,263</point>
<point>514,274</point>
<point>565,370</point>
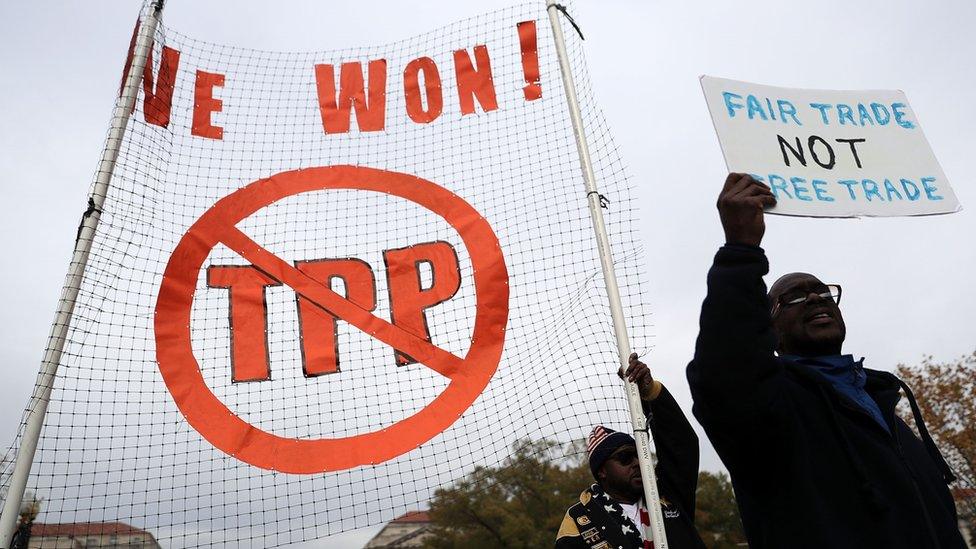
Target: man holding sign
<point>817,456</point>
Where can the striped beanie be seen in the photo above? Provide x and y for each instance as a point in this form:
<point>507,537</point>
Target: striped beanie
<point>601,443</point>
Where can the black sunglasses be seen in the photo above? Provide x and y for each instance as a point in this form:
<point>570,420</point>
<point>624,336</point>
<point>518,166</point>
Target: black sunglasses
<point>625,457</point>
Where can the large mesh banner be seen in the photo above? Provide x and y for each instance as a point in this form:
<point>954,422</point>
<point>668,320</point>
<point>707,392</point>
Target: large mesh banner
<point>325,284</point>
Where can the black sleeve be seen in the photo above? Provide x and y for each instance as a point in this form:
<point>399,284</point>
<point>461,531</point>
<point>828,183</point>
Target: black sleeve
<point>734,375</point>
<point>677,450</point>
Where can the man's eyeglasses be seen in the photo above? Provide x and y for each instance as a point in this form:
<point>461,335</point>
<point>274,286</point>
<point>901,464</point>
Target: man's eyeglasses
<point>797,297</point>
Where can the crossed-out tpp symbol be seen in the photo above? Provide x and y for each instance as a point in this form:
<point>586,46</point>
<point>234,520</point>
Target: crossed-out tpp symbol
<point>320,308</point>
<point>409,300</point>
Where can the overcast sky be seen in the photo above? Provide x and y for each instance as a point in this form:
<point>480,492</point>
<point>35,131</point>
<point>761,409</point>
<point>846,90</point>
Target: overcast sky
<point>907,281</point>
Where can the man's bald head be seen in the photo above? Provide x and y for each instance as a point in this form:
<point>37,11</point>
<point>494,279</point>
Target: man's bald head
<point>813,327</point>
<point>787,281</point>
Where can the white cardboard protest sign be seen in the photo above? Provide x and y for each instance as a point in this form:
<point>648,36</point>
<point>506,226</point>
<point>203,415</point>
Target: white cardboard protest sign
<point>829,153</point>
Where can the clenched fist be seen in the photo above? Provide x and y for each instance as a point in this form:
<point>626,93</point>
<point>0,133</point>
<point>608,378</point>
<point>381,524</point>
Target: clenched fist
<point>740,207</point>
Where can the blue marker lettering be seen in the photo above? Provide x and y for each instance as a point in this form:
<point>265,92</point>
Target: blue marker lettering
<point>930,189</point>
<point>800,191</point>
<point>754,107</point>
<point>881,114</point>
<point>778,186</point>
<point>787,109</point>
<point>729,104</point>
<point>900,116</point>
<point>891,190</point>
<point>844,111</point>
<point>822,107</point>
<point>862,113</point>
<point>820,191</point>
<point>913,196</point>
<point>849,183</point>
<point>871,189</point>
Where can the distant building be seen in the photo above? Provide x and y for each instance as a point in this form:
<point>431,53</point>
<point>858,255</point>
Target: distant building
<point>103,535</point>
<point>408,530</point>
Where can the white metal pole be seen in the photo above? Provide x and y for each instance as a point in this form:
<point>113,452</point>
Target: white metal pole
<point>637,418</point>
<point>55,344</point>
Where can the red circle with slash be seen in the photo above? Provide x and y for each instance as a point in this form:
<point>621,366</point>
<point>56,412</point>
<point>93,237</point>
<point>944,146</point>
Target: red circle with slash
<point>230,433</point>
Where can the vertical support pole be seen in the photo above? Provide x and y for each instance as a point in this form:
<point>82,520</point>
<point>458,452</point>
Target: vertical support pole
<point>37,406</point>
<point>637,418</point>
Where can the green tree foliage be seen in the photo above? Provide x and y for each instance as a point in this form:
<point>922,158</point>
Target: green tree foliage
<point>520,504</point>
<point>717,516</point>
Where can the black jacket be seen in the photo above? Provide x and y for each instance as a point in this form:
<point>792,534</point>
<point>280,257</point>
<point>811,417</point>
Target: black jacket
<point>809,467</point>
<point>597,522</point>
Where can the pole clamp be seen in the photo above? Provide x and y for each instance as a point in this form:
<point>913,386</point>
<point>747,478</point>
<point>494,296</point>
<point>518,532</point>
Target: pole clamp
<point>604,201</point>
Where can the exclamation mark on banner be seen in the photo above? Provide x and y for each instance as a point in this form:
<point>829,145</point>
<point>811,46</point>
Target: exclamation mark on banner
<point>530,60</point>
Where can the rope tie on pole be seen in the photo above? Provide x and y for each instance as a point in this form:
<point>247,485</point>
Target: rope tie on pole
<point>604,201</point>
<point>572,21</point>
<point>92,208</point>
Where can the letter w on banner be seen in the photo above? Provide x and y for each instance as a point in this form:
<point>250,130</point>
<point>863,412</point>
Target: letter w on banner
<point>327,284</point>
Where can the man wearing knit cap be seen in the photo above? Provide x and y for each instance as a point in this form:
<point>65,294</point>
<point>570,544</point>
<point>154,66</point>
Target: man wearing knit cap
<point>611,513</point>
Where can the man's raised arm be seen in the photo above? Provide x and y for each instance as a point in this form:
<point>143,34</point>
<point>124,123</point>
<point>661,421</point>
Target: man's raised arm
<point>731,376</point>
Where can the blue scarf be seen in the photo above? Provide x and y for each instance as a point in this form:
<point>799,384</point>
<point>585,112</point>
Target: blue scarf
<point>847,377</point>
